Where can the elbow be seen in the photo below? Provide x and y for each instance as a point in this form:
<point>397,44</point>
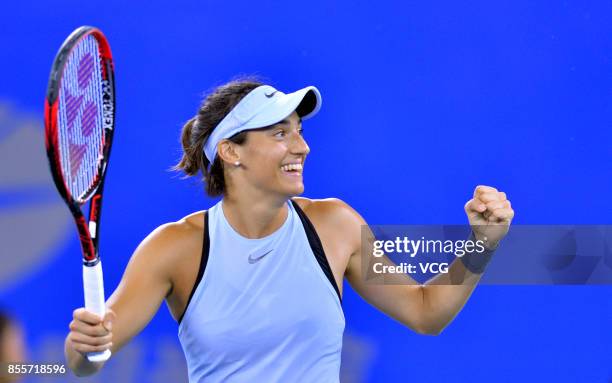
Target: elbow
<point>429,328</point>
<point>431,319</point>
<point>431,331</point>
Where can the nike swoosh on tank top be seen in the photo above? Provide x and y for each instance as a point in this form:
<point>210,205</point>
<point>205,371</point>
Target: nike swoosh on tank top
<point>278,319</point>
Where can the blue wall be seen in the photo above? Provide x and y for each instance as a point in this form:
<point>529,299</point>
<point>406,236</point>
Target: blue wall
<point>422,102</point>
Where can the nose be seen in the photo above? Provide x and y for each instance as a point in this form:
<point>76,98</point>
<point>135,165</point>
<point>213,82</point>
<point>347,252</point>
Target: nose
<point>299,145</point>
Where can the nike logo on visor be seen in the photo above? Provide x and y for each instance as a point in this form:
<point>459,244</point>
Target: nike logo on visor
<point>253,259</point>
<point>270,95</point>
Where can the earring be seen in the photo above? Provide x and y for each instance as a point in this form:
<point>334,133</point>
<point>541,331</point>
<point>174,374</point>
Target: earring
<point>237,163</point>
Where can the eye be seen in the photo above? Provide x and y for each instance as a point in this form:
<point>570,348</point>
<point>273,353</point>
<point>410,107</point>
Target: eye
<point>301,131</point>
<point>280,133</point>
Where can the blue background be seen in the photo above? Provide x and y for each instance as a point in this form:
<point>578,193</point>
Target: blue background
<point>422,102</point>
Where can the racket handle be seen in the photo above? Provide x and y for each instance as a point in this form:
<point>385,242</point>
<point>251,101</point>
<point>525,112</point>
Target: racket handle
<point>94,302</point>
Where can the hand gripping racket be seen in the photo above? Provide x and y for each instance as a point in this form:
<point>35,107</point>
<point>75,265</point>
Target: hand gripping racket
<point>79,123</point>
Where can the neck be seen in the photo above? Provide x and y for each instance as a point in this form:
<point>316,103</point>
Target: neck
<point>255,215</point>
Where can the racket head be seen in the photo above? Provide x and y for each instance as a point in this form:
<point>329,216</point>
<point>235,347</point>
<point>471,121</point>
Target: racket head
<point>80,115</point>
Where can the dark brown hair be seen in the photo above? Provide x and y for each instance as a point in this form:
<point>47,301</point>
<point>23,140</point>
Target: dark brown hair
<point>197,130</point>
<point>5,322</point>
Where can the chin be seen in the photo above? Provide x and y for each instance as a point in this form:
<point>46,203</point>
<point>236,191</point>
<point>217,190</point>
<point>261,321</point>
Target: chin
<point>293,190</point>
<point>299,190</point>
<point>296,190</point>
<point>289,187</point>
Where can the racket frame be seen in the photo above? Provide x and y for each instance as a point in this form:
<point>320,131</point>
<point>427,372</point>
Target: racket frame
<point>88,230</point>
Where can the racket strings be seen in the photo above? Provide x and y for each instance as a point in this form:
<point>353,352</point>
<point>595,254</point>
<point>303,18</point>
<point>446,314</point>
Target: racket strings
<point>80,127</point>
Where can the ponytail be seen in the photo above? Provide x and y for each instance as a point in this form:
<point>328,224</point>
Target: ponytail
<point>196,131</point>
<point>191,162</point>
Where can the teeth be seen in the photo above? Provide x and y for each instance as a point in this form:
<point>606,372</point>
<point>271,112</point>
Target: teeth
<point>290,167</point>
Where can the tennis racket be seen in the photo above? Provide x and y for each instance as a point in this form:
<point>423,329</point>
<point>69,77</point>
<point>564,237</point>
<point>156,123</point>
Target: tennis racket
<point>79,123</point>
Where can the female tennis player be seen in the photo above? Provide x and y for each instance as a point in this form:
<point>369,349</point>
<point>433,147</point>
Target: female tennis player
<point>12,346</point>
<point>255,282</point>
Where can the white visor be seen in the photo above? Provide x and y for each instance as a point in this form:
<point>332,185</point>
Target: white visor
<point>263,106</point>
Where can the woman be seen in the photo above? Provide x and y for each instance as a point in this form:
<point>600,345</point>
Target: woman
<point>12,346</point>
<point>255,282</point>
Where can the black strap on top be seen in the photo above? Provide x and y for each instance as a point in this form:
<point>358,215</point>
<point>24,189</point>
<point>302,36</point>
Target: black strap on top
<point>203,262</point>
<point>317,247</point>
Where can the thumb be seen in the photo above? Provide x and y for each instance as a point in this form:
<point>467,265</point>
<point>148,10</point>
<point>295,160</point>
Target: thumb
<point>109,318</point>
<point>474,208</point>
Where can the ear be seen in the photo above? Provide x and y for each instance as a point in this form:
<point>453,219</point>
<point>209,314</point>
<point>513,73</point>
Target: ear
<point>227,151</point>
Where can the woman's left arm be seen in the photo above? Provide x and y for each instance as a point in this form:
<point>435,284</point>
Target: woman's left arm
<point>428,308</point>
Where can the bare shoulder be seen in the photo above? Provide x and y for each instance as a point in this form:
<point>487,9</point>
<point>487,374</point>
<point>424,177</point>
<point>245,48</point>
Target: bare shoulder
<point>333,219</point>
<point>174,233</point>
<point>174,240</point>
<point>332,211</point>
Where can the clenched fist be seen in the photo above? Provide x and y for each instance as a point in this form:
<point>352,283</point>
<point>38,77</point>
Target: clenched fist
<point>490,214</point>
<point>89,332</point>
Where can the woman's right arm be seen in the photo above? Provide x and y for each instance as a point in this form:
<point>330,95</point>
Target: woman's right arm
<point>143,287</point>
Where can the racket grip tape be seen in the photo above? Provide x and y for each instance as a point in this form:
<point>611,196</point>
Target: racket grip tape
<point>93,285</point>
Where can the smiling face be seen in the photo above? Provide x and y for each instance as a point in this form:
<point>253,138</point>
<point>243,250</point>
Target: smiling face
<point>273,158</point>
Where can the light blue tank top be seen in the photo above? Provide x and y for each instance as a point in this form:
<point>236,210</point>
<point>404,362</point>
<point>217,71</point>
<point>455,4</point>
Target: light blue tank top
<point>266,309</point>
